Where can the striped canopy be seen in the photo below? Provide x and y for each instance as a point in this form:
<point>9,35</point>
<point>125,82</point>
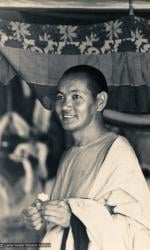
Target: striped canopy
<point>40,53</point>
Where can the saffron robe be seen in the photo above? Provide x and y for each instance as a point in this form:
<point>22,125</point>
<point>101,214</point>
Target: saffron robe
<point>91,184</point>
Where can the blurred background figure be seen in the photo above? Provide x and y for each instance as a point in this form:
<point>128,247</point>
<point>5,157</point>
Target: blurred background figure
<point>31,143</point>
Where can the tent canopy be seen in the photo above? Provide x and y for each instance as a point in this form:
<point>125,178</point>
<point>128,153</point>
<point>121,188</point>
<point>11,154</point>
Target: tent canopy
<point>40,53</point>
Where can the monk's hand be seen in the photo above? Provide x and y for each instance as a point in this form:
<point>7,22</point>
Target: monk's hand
<point>57,212</point>
<point>32,217</point>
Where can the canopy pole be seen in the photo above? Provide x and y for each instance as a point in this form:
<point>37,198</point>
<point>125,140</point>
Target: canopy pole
<point>131,8</point>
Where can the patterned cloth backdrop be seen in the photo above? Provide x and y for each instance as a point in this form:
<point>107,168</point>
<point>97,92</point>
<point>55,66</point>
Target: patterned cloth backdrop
<point>41,53</point>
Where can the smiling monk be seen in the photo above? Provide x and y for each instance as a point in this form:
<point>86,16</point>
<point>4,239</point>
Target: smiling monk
<point>100,200</point>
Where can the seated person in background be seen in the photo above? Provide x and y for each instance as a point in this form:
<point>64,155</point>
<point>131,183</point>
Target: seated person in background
<point>48,130</point>
<point>100,199</point>
<point>15,179</point>
<point>32,155</point>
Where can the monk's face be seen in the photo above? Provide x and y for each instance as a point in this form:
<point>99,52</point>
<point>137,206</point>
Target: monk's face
<point>75,104</point>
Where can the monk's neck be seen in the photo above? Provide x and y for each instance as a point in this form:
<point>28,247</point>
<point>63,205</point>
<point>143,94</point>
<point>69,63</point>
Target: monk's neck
<point>83,137</point>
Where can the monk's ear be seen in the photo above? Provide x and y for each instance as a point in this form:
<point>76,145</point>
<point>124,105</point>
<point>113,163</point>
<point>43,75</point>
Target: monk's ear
<point>102,98</point>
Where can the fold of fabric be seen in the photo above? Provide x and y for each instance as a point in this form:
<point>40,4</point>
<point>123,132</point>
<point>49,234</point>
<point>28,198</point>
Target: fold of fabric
<point>80,237</point>
<point>127,75</point>
<point>80,166</point>
<point>103,235</point>
<point>121,186</point>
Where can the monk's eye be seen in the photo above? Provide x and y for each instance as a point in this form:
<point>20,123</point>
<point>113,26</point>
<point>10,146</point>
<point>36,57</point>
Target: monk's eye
<point>59,98</point>
<point>76,97</point>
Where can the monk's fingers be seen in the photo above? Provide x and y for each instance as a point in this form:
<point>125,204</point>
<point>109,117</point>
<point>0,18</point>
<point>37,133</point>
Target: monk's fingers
<point>36,227</point>
<point>36,224</point>
<point>58,214</point>
<point>51,225</point>
<point>52,212</point>
<point>61,221</point>
<point>64,204</point>
<point>53,219</point>
<point>38,204</point>
<point>32,222</point>
<point>32,218</point>
<point>36,216</point>
<point>31,210</point>
<point>61,205</point>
